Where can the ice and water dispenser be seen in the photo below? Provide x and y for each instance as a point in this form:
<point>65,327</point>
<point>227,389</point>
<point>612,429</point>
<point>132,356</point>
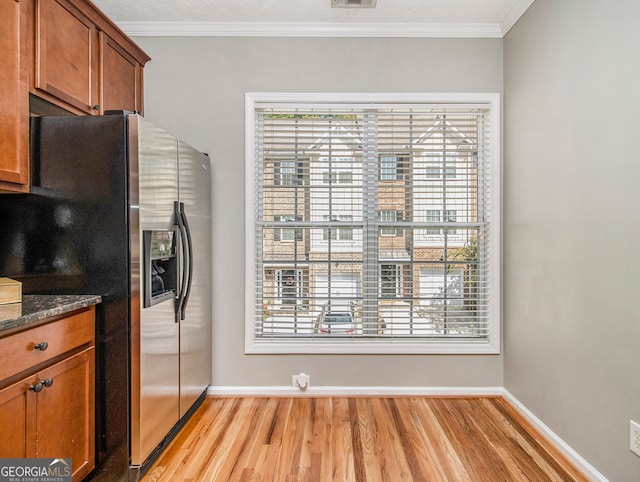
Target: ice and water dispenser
<point>160,266</point>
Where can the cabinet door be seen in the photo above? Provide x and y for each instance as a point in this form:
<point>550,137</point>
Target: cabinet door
<point>121,77</point>
<point>14,100</point>
<point>65,48</point>
<point>17,419</point>
<point>65,412</point>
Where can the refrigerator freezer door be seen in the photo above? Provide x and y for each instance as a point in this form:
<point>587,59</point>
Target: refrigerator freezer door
<point>195,329</point>
<point>155,339</point>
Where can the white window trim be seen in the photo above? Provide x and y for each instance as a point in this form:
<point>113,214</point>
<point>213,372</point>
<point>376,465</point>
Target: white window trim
<point>374,346</point>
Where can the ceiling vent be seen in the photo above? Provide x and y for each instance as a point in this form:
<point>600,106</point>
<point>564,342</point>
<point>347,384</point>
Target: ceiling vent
<point>353,3</point>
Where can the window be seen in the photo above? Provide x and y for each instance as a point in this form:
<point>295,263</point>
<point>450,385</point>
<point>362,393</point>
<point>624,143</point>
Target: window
<point>340,177</point>
<point>391,168</point>
<point>345,177</point>
<point>414,265</point>
<point>287,234</point>
<point>432,171</point>
<point>451,217</point>
<point>390,275</point>
<point>287,173</point>
<point>289,286</point>
<point>390,216</point>
<point>435,216</point>
<point>435,166</point>
<point>337,233</point>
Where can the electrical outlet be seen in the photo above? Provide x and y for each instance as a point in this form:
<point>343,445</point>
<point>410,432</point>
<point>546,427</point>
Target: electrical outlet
<point>301,381</point>
<point>634,441</point>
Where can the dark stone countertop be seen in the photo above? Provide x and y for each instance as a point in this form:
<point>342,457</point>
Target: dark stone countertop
<point>40,307</point>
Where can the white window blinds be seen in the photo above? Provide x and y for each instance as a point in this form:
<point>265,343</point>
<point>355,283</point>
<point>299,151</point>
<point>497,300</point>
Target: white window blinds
<point>381,217</point>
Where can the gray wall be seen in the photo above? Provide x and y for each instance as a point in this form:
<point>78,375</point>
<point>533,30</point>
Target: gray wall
<point>195,88</point>
<point>572,224</point>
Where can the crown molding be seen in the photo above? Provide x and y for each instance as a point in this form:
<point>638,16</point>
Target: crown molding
<point>302,29</point>
<point>514,15</point>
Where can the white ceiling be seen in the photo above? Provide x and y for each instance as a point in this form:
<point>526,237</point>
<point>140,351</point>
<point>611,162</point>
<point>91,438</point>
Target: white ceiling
<point>390,18</point>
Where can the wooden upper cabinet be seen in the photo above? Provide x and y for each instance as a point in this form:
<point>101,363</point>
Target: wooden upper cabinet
<point>121,77</point>
<point>14,100</point>
<point>82,62</point>
<point>68,53</point>
<point>65,66</point>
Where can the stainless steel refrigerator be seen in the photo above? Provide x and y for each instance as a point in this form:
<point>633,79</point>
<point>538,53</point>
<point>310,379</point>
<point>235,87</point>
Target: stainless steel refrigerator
<point>121,208</point>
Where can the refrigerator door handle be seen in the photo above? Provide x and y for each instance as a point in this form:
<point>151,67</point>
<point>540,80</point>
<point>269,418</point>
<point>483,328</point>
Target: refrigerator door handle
<point>190,261</point>
<point>182,274</point>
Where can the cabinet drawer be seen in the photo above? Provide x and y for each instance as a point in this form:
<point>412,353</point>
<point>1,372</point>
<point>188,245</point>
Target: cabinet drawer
<point>18,351</point>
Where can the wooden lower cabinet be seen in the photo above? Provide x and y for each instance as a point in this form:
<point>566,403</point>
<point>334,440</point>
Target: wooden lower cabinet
<point>50,411</point>
<point>65,413</point>
<point>17,419</point>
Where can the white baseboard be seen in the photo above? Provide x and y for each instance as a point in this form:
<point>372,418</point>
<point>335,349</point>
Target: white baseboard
<point>341,391</point>
<point>560,445</point>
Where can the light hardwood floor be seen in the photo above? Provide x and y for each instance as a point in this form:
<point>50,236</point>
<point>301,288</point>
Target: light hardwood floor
<point>359,439</point>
